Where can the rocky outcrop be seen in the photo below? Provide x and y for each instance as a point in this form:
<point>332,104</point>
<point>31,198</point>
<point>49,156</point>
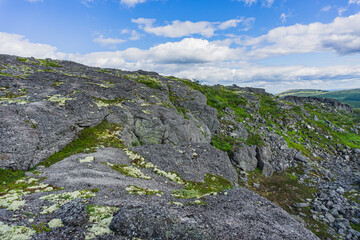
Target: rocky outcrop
<point>331,103</point>
<point>139,155</point>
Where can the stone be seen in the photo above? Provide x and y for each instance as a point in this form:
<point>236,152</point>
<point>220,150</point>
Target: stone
<point>244,157</point>
<point>73,213</point>
<point>330,217</point>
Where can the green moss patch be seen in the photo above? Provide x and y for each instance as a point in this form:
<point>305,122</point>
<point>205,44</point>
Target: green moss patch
<point>102,135</point>
<point>149,81</point>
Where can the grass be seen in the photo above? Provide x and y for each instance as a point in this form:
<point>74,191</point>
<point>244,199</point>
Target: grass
<point>255,139</point>
<point>221,98</point>
<point>102,135</point>
<point>225,143</point>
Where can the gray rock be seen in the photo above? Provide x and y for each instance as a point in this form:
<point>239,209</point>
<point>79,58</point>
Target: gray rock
<point>192,161</point>
<point>244,157</point>
<point>73,213</point>
<point>266,169</point>
<point>156,222</point>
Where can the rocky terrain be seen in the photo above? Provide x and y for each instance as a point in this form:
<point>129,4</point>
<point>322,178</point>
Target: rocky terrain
<point>91,153</point>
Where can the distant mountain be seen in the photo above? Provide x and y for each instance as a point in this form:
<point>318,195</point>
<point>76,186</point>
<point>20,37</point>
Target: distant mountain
<point>350,96</point>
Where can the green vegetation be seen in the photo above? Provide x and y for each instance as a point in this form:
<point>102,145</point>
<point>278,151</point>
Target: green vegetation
<point>220,97</point>
<point>284,190</point>
<point>225,143</point>
<point>47,63</point>
<point>351,96</point>
<point>102,135</point>
<point>8,178</point>
<point>22,59</point>
<point>255,139</point>
<point>41,227</point>
<point>212,185</point>
<point>149,81</point>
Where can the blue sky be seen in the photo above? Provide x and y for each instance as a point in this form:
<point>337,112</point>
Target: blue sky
<point>274,44</point>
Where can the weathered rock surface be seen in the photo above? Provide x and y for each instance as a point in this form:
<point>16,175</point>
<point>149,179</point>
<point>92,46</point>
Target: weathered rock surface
<point>162,177</point>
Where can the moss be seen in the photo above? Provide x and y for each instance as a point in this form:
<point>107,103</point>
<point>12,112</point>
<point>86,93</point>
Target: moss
<point>41,227</point>
<point>256,140</point>
<point>8,176</point>
<point>212,185</point>
<point>356,227</point>
<point>47,63</point>
<point>225,143</point>
<point>132,189</point>
<point>149,81</point>
<point>102,135</point>
<point>22,59</point>
<point>220,97</point>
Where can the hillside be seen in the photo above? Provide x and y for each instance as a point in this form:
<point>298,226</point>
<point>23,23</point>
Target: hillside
<point>92,153</point>
<point>350,97</point>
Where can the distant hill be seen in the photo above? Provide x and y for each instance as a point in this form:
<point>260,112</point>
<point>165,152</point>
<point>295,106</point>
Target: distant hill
<point>351,96</point>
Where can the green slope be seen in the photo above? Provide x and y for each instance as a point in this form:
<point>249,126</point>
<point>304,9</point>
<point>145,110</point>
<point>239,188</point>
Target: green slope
<point>351,96</point>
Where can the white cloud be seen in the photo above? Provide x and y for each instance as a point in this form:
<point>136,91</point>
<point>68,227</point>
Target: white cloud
<point>132,3</point>
<point>326,8</point>
<point>219,62</point>
<point>15,44</point>
<point>341,36</point>
<point>265,3</point>
<point>354,2</point>
<point>181,29</point>
<point>112,42</point>
<point>283,17</point>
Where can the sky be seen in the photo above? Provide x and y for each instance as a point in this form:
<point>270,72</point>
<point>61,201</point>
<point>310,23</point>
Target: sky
<point>272,44</point>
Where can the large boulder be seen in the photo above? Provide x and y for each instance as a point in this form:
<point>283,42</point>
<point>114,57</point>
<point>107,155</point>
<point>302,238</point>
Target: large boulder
<point>192,161</point>
<point>244,157</point>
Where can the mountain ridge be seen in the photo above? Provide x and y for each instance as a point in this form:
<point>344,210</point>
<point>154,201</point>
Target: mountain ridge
<point>82,147</point>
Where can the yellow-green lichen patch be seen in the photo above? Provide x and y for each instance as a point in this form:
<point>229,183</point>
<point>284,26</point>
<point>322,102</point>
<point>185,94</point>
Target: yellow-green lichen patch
<point>129,171</point>
<point>11,100</point>
<point>139,161</point>
<point>132,189</point>
<point>100,102</point>
<point>15,232</point>
<point>210,186</point>
<point>100,217</point>
<point>57,84</point>
<point>177,203</point>
<point>102,85</point>
<point>87,159</point>
<point>63,198</point>
<point>11,196</point>
<point>59,99</point>
<point>55,223</point>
